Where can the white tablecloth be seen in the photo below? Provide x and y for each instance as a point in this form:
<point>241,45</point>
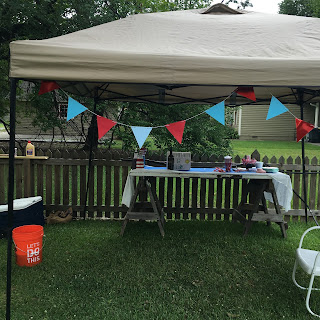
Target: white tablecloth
<point>281,181</point>
<point>283,187</point>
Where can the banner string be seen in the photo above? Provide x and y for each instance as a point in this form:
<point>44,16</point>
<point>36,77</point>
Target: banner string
<point>163,126</point>
<point>160,126</point>
<point>174,133</point>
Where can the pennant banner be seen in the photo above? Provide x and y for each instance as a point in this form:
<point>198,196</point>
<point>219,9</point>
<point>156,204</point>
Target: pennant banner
<point>275,108</point>
<point>104,125</point>
<point>47,86</point>
<point>74,108</point>
<point>217,112</point>
<point>246,92</point>
<point>141,134</point>
<point>176,129</point>
<point>302,128</point>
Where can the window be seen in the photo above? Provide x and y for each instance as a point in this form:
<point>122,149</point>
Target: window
<point>62,111</point>
<point>235,118</point>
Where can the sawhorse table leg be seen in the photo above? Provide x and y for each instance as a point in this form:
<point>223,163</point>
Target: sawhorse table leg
<point>255,190</point>
<point>283,225</point>
<point>157,213</point>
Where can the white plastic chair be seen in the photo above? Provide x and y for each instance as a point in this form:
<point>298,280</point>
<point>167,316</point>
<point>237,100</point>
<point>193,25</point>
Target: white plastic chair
<point>309,261</point>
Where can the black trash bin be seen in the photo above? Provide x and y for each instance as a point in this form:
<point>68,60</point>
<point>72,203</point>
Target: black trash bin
<point>314,135</point>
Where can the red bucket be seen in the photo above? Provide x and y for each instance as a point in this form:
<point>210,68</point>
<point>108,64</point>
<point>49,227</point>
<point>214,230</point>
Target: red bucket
<point>28,242</point>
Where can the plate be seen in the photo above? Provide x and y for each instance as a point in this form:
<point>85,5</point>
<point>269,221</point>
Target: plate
<point>241,170</point>
<point>271,169</point>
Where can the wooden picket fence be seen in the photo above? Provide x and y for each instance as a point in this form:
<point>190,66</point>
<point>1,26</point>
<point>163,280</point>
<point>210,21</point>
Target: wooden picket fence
<point>61,180</point>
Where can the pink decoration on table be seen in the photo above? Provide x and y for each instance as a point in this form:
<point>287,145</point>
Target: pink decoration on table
<point>248,160</point>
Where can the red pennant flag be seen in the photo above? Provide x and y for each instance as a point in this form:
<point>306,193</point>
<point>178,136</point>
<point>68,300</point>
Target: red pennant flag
<point>104,125</point>
<point>47,86</point>
<point>176,129</point>
<point>247,92</point>
<point>302,128</point>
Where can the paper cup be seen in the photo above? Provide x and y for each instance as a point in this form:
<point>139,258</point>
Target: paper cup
<point>259,164</point>
<point>228,163</point>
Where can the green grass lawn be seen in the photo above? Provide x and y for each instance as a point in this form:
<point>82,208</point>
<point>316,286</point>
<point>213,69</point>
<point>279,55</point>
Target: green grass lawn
<point>199,270</point>
<point>275,148</point>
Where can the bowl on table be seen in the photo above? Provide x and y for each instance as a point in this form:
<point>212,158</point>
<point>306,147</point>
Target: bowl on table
<point>271,169</point>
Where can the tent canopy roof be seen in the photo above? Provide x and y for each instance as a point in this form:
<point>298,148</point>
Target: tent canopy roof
<point>179,56</point>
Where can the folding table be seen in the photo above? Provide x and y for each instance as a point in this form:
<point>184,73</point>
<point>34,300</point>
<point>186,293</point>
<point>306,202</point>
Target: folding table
<point>275,187</point>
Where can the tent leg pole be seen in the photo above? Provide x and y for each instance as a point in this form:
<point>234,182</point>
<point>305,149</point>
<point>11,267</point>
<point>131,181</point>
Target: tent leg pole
<point>13,90</point>
<point>300,95</point>
<point>88,181</point>
<point>89,165</point>
<point>304,179</point>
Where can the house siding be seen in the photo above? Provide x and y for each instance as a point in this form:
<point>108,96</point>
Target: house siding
<point>254,125</point>
<point>72,130</point>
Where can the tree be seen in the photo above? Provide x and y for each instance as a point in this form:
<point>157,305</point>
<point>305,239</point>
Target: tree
<point>202,134</point>
<point>315,6</point>
<point>241,4</point>
<point>307,8</point>
<point>40,19</point>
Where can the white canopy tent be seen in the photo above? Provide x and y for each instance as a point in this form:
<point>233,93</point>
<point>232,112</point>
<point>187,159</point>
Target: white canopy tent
<point>194,56</point>
<point>191,56</point>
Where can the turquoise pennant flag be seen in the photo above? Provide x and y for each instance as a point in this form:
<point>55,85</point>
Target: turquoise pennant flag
<point>275,108</point>
<point>74,108</point>
<point>217,112</point>
<point>141,134</point>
